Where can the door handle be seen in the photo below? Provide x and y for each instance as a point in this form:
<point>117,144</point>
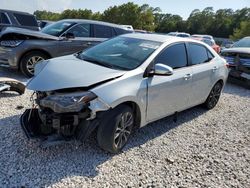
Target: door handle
<point>214,69</point>
<point>187,76</point>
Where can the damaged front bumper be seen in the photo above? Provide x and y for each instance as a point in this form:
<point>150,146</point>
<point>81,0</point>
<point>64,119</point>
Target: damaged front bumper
<point>62,127</point>
<point>45,123</point>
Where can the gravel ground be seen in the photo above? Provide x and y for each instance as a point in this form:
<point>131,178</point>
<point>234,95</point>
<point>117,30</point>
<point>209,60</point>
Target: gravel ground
<point>202,149</point>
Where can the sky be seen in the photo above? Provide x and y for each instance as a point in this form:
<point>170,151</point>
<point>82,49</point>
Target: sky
<point>180,7</point>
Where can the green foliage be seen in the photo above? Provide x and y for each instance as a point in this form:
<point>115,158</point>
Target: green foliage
<point>242,31</point>
<point>140,17</point>
<point>222,23</point>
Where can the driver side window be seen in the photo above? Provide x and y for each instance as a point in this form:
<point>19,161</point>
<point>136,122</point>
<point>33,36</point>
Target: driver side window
<point>174,56</point>
<point>81,30</point>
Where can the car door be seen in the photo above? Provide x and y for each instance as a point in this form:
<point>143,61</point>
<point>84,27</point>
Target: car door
<point>204,70</point>
<point>77,38</point>
<point>169,94</point>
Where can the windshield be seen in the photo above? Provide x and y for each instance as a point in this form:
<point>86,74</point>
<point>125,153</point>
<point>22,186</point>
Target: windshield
<point>245,42</point>
<point>122,53</point>
<point>57,28</point>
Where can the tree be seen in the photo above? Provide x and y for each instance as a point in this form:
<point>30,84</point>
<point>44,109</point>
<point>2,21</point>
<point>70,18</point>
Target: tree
<point>140,17</point>
<point>242,31</point>
<point>222,23</point>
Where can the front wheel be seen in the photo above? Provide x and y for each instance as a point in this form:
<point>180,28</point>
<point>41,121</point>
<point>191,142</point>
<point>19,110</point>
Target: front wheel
<point>115,129</point>
<point>214,96</point>
<point>28,62</point>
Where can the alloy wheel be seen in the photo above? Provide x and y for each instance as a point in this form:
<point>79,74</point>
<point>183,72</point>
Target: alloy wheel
<point>214,95</point>
<point>31,63</point>
<point>123,129</point>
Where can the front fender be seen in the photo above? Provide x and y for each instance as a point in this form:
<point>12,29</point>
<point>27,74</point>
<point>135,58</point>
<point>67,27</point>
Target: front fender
<point>128,88</point>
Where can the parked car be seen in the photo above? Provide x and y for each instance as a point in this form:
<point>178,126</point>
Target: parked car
<point>204,36</point>
<point>44,23</point>
<point>238,58</point>
<point>141,31</point>
<point>179,34</point>
<point>21,49</point>
<point>129,27</point>
<point>10,18</point>
<point>119,85</point>
<point>210,43</point>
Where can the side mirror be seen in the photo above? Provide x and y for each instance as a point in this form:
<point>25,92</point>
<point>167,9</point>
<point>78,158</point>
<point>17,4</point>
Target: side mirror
<point>69,35</point>
<point>162,70</point>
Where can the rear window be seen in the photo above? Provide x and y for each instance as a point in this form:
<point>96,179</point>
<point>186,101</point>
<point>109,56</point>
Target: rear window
<point>4,19</point>
<point>26,20</point>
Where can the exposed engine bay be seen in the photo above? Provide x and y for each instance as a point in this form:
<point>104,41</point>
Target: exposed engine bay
<point>59,116</point>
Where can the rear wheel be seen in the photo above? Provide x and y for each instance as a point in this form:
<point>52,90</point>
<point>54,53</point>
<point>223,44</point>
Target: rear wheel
<point>214,96</point>
<point>29,60</point>
<point>115,129</point>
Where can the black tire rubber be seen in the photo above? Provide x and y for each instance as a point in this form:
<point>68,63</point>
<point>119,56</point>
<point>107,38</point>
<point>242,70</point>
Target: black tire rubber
<point>24,61</point>
<point>107,128</point>
<point>207,104</point>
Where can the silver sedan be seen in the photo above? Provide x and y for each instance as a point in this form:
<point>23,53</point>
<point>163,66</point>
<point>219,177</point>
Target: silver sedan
<point>120,85</point>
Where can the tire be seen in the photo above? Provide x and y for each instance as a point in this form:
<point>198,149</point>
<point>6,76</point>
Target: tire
<point>28,61</point>
<point>213,96</point>
<point>112,134</point>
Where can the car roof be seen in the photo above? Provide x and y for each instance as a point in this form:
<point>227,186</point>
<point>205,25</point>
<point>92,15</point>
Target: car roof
<point>13,11</point>
<point>94,22</point>
<point>159,37</point>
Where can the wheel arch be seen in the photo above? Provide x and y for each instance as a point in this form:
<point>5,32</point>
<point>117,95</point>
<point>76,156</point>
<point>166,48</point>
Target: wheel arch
<point>137,112</point>
<point>33,50</point>
<point>220,81</point>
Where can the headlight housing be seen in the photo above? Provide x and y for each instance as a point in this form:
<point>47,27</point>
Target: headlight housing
<point>11,43</point>
<point>64,103</point>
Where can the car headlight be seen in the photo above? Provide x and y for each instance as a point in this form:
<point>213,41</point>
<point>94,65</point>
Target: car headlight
<point>64,103</point>
<point>11,43</point>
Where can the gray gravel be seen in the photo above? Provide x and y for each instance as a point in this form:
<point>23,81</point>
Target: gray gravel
<point>202,149</point>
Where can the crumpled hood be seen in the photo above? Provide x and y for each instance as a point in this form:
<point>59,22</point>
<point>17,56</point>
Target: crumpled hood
<point>69,72</point>
<point>26,32</point>
<point>237,50</point>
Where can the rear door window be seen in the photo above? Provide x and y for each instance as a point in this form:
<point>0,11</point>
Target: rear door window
<point>199,54</point>
<point>26,20</point>
<point>174,56</point>
<point>4,19</point>
<point>102,31</point>
<point>81,30</point>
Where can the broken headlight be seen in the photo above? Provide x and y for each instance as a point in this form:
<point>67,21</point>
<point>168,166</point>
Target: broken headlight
<point>11,43</point>
<point>64,103</point>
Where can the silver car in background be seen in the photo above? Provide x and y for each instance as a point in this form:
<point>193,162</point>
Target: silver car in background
<point>120,85</point>
<point>21,48</point>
